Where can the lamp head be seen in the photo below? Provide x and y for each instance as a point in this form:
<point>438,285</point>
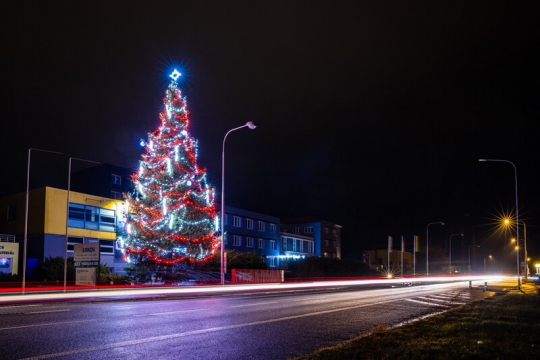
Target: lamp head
<point>482,159</point>
<point>250,125</point>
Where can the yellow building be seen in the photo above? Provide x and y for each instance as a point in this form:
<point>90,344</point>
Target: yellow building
<point>91,219</point>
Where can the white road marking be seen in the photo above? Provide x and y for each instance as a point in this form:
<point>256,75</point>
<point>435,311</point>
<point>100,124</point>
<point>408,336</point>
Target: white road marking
<point>44,324</point>
<point>194,332</point>
<point>46,311</point>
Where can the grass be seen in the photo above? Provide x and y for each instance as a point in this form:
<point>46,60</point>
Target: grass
<point>505,326</point>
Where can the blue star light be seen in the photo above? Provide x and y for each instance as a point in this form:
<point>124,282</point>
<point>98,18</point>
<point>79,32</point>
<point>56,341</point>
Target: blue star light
<point>175,75</point>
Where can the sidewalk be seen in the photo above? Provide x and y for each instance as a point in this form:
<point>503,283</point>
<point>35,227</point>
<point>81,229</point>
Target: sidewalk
<point>511,285</point>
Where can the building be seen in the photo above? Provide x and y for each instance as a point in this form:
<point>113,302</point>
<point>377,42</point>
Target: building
<point>105,180</point>
<point>247,231</point>
<point>90,219</point>
<point>326,235</point>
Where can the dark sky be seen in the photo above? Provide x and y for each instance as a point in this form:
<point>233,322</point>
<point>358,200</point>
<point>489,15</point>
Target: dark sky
<point>369,114</point>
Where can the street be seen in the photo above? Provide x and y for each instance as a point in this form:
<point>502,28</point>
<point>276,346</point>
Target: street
<point>267,325</point>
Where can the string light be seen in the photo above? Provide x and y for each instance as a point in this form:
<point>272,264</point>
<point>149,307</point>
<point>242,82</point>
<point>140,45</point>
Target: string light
<point>172,217</point>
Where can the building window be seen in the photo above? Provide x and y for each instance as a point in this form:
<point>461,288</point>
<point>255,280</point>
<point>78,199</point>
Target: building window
<point>335,231</point>
<point>116,179</point>
<point>72,241</point>
<point>11,212</point>
<point>261,243</point>
<point>284,247</point>
<point>326,230</point>
<point>334,244</point>
<point>249,242</point>
<point>237,240</point>
<point>294,244</point>
<point>272,261</point>
<point>308,230</point>
<point>237,221</point>
<point>249,223</point>
<point>297,230</point>
<point>301,246</point>
<point>116,195</point>
<point>273,245</point>
<point>91,217</point>
<point>272,228</point>
<point>326,242</point>
<point>106,247</point>
<point>310,247</point>
<point>261,226</point>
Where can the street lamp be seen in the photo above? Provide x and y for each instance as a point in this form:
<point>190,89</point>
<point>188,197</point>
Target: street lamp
<point>507,222</point>
<point>427,245</point>
<point>250,125</point>
<point>26,212</point>
<point>67,215</point>
<point>450,252</point>
<point>517,211</point>
<point>470,246</point>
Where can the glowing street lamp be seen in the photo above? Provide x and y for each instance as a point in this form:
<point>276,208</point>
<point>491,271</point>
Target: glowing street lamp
<point>517,211</point>
<point>450,252</point>
<point>427,245</point>
<point>251,126</point>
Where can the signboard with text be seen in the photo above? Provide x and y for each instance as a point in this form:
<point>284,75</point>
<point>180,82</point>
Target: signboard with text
<point>86,262</point>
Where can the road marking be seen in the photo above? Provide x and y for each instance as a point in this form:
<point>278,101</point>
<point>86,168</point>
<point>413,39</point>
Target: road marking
<point>44,324</point>
<point>46,311</point>
<point>170,312</point>
<point>195,332</point>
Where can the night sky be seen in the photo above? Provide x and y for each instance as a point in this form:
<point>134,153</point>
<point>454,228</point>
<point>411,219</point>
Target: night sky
<point>369,114</point>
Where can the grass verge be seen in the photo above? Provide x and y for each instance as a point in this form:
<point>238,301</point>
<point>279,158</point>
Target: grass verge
<point>505,326</point>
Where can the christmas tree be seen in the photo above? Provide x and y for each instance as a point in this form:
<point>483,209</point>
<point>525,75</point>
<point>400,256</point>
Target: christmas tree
<point>172,218</point>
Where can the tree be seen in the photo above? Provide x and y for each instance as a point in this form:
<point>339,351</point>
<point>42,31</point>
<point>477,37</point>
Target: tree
<point>172,217</point>
<point>52,268</point>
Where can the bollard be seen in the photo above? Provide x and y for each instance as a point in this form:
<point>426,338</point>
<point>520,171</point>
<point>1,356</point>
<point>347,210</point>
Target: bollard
<point>470,284</point>
<point>485,286</point>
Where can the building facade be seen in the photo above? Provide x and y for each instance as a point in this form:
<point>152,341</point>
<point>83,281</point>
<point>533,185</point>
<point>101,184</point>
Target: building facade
<point>52,224</point>
<point>326,235</point>
<point>247,231</point>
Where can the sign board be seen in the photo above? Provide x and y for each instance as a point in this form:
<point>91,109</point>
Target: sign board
<point>9,256</point>
<point>86,262</point>
<point>85,276</point>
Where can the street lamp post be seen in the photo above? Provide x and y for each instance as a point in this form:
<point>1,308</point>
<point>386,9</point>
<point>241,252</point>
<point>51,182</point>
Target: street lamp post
<point>450,252</point>
<point>517,212</point>
<point>67,216</point>
<point>222,270</point>
<point>25,241</point>
<point>427,245</point>
<point>470,246</point>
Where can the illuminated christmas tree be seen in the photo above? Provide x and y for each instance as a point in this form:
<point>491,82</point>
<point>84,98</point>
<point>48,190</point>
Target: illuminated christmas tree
<point>172,218</point>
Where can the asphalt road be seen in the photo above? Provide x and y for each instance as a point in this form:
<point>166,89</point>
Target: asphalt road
<point>267,325</point>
